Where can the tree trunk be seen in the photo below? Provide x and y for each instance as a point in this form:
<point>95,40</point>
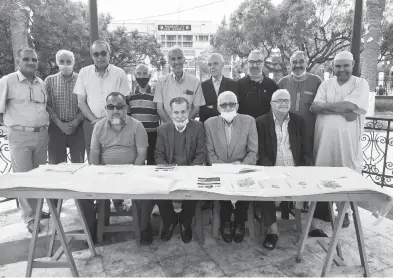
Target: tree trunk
<point>372,41</point>
<point>18,25</point>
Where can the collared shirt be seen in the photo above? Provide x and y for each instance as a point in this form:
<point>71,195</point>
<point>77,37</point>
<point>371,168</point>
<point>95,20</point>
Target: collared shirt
<point>96,87</point>
<point>188,87</point>
<point>217,83</point>
<point>144,109</point>
<point>62,103</point>
<point>228,130</point>
<point>118,147</point>
<point>16,95</point>
<point>284,153</point>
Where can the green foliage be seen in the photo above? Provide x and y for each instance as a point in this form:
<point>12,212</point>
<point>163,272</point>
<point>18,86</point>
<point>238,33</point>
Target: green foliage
<point>387,42</point>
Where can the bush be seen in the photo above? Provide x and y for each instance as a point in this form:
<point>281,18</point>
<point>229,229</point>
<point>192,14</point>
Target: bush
<point>383,105</point>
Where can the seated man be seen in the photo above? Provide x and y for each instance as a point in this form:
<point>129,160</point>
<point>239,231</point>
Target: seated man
<point>231,138</point>
<point>283,141</point>
<point>118,138</point>
<point>180,142</point>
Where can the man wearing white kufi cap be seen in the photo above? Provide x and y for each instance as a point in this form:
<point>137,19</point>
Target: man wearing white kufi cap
<point>341,104</point>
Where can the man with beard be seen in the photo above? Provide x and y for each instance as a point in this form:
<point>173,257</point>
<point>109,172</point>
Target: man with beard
<point>180,142</point>
<point>255,89</point>
<point>341,104</point>
<point>177,84</point>
<point>144,109</point>
<point>65,129</point>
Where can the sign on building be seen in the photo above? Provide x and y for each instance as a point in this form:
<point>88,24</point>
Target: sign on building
<point>174,27</point>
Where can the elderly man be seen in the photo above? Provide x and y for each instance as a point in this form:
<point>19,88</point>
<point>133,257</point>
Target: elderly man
<point>255,89</point>
<point>23,111</point>
<point>180,142</point>
<point>177,84</point>
<point>341,104</point>
<point>144,109</point>
<point>214,86</point>
<point>283,141</point>
<point>118,138</point>
<point>65,129</point>
<point>231,138</point>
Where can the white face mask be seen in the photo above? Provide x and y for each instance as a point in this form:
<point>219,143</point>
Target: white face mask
<point>66,70</point>
<point>228,116</point>
<point>181,126</point>
<point>115,121</point>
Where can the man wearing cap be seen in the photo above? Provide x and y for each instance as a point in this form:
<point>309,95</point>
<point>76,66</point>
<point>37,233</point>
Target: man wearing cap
<point>177,84</point>
<point>341,104</point>
<point>255,89</point>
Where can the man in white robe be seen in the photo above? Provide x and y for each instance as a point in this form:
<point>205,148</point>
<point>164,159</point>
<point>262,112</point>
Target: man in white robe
<point>341,104</point>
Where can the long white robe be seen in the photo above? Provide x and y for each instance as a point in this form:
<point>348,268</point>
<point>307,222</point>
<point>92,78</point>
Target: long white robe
<point>337,143</point>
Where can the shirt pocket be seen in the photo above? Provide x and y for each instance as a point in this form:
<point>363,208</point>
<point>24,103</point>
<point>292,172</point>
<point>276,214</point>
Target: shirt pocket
<point>307,97</point>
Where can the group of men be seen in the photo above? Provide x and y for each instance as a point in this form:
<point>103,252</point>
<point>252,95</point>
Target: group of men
<point>301,121</point>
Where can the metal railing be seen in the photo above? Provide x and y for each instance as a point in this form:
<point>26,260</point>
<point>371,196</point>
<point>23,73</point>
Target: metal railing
<point>377,147</point>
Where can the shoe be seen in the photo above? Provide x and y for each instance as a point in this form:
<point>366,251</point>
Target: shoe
<point>167,232</point>
<point>270,241</point>
<point>186,232</point>
<point>226,231</point>
<point>238,233</point>
<point>146,236</point>
<point>30,227</point>
<point>317,233</point>
<point>346,221</point>
<point>45,215</point>
<point>305,208</point>
<point>118,206</point>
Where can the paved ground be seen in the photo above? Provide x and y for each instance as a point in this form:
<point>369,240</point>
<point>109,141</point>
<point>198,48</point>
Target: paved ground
<point>120,255</point>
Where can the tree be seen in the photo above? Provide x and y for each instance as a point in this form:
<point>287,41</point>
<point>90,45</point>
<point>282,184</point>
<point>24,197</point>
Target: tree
<point>386,49</point>
<point>279,31</point>
<point>372,41</point>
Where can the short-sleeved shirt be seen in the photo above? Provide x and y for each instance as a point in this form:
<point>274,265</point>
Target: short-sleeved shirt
<point>96,88</point>
<point>118,147</point>
<point>188,87</point>
<point>23,103</point>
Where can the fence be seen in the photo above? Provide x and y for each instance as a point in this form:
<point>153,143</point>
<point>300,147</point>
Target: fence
<point>377,146</point>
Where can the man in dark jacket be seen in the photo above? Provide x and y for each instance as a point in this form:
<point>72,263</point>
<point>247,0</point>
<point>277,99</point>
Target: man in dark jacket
<point>255,89</point>
<point>214,86</point>
<point>283,141</point>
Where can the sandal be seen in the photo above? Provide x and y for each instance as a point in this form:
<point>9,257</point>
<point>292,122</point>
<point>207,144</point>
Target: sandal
<point>270,241</point>
<point>317,233</point>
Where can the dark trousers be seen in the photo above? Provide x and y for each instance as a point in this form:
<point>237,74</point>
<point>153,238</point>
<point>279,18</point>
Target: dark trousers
<point>89,211</point>
<point>169,216</point>
<point>322,211</point>
<point>152,138</point>
<point>240,211</point>
<point>87,132</point>
<point>268,210</point>
<point>58,143</point>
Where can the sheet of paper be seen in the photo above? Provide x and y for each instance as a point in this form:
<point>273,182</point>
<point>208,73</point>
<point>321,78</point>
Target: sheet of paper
<point>235,169</point>
<point>92,170</point>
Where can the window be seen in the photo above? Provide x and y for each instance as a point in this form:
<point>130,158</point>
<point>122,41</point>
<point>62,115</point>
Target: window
<point>179,38</point>
<point>171,44</point>
<point>163,37</point>
<point>187,44</point>
<point>170,37</point>
<point>187,38</point>
<point>203,38</point>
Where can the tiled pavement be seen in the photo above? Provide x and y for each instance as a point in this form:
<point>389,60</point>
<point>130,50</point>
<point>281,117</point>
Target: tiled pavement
<point>122,256</point>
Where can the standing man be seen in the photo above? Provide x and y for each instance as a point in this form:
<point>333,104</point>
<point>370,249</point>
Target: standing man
<point>23,111</point>
<point>95,83</point>
<point>177,84</point>
<point>255,89</point>
<point>65,129</point>
<point>302,86</point>
<point>341,104</point>
<point>231,138</point>
<point>214,86</point>
<point>144,109</point>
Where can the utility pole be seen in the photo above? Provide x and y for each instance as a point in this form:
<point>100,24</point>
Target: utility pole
<point>93,20</point>
<point>356,35</point>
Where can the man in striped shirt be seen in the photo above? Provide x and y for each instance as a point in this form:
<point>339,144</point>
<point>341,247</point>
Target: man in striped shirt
<point>144,109</point>
<point>65,129</point>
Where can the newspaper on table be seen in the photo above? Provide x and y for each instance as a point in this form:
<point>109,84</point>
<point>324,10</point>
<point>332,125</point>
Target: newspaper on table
<point>221,168</point>
<point>102,170</point>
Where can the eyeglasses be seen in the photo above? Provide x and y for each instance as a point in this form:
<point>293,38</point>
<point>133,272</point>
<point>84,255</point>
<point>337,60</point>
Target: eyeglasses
<point>101,53</point>
<point>258,63</point>
<point>229,104</point>
<point>36,101</point>
<point>282,101</point>
<point>26,59</point>
<point>112,107</point>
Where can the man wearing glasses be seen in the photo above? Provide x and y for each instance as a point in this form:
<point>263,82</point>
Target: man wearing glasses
<point>95,83</point>
<point>231,138</point>
<point>255,89</point>
<point>23,111</point>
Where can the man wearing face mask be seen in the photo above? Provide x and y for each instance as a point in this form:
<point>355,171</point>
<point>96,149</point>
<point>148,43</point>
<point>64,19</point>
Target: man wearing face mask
<point>283,141</point>
<point>144,109</point>
<point>180,142</point>
<point>255,89</point>
<point>231,138</point>
<point>65,129</point>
